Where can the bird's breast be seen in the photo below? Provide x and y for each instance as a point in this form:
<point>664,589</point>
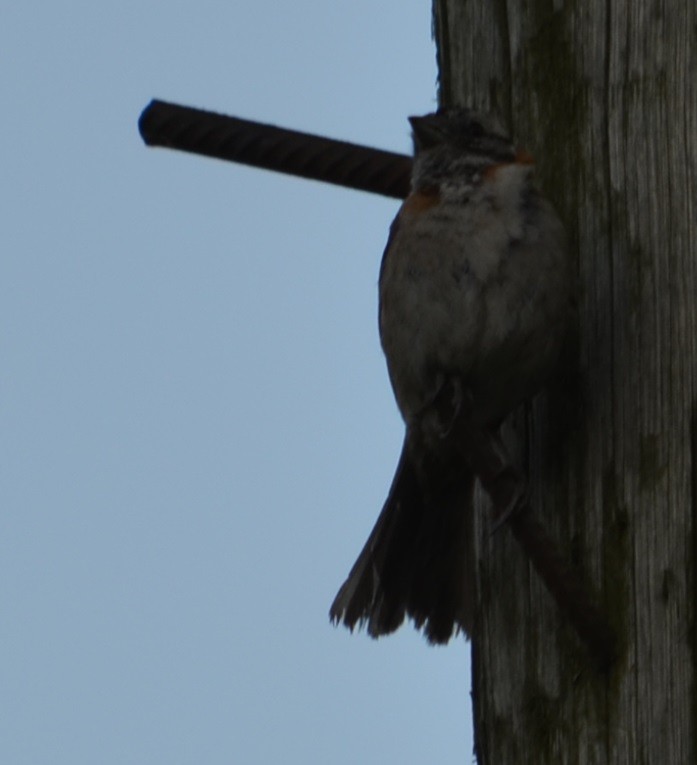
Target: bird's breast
<point>470,288</point>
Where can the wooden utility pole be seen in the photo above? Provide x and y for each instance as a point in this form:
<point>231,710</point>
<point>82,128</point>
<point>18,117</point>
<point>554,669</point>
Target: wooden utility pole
<point>605,96</point>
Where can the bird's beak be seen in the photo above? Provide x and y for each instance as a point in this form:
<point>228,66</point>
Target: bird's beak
<point>428,130</point>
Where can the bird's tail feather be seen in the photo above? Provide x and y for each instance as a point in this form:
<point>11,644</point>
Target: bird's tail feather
<point>418,560</point>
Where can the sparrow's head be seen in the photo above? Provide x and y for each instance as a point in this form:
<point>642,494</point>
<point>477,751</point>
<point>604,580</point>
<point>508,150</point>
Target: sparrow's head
<point>457,145</point>
<point>463,131</point>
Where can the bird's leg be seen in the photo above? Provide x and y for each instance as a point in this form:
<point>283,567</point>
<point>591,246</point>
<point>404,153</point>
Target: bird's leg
<point>503,481</point>
<point>481,446</point>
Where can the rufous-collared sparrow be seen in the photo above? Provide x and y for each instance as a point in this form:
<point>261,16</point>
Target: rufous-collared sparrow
<point>474,300</point>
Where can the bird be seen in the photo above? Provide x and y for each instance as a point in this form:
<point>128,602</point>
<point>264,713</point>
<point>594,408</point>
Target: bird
<point>474,300</point>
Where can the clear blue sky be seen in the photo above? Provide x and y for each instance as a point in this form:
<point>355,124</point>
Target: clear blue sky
<point>197,427</point>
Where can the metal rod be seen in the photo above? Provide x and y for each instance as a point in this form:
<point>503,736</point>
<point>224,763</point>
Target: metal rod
<point>274,148</point>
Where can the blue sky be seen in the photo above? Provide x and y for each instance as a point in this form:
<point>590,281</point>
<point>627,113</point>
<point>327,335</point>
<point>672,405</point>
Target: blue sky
<point>198,430</point>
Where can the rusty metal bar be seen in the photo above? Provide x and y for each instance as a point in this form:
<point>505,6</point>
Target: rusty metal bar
<point>274,148</point>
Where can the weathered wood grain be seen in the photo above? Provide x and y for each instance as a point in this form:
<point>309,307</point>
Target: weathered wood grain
<point>605,95</point>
